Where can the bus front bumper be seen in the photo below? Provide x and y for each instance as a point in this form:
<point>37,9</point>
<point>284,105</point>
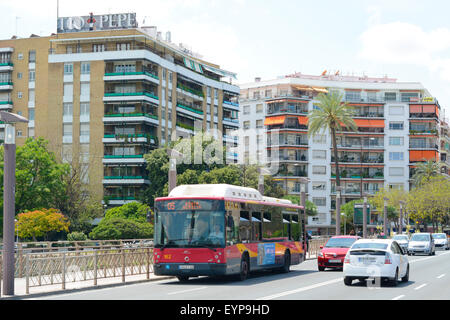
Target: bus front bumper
<point>190,270</point>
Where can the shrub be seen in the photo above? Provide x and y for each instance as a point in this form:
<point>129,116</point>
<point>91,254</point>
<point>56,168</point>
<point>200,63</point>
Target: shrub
<point>76,236</point>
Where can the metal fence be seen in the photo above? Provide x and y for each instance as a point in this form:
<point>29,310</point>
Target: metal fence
<point>49,265</point>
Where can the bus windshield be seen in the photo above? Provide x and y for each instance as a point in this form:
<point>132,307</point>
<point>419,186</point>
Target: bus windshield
<point>190,223</point>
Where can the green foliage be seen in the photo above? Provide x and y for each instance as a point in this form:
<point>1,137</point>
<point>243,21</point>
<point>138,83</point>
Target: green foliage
<point>76,236</point>
<point>425,171</point>
<point>120,228</point>
<point>132,211</point>
<point>311,208</point>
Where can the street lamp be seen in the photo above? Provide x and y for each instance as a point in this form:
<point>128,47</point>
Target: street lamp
<point>345,222</point>
<point>173,155</point>
<point>303,184</point>
<point>338,210</point>
<point>17,229</point>
<point>402,203</point>
<point>9,208</point>
<point>386,199</point>
<point>365,217</point>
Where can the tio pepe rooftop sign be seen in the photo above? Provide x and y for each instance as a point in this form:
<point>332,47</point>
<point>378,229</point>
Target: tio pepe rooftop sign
<point>97,22</point>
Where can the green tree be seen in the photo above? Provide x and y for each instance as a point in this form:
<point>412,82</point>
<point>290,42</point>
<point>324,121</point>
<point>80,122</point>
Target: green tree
<point>120,228</point>
<point>39,223</point>
<point>132,211</point>
<point>425,171</point>
<point>332,115</point>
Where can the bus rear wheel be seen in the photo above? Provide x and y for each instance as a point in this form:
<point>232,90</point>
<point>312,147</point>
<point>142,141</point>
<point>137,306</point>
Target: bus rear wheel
<point>183,278</point>
<point>287,262</point>
<point>245,267</point>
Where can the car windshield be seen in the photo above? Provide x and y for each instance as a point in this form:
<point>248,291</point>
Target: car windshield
<point>400,238</point>
<point>369,245</point>
<point>340,242</point>
<point>439,236</point>
<point>420,237</point>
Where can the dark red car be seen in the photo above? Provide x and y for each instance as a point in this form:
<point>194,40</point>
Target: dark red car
<point>333,253</point>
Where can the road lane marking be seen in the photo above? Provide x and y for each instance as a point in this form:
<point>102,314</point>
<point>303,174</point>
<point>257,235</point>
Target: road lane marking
<point>442,275</point>
<point>285,293</point>
<point>421,286</point>
<point>398,297</point>
<point>188,290</point>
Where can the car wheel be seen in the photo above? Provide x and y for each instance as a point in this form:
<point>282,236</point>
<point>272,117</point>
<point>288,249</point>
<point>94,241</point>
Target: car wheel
<point>394,281</point>
<point>406,277</point>
<point>321,268</point>
<point>348,281</point>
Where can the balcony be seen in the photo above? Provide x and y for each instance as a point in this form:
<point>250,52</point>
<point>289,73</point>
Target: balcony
<point>132,138</point>
<point>131,96</point>
<point>118,180</point>
<point>117,159</point>
<point>6,85</point>
<point>131,117</point>
<point>7,66</point>
<point>124,76</point>
<point>189,91</point>
<point>5,105</point>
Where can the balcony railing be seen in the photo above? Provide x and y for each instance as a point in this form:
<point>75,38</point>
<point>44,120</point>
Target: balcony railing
<point>430,131</point>
<point>119,156</point>
<point>357,160</point>
<point>110,74</point>
<point>189,108</point>
<point>423,146</point>
<point>190,90</point>
<point>124,94</point>
<point>137,114</point>
<point>124,177</point>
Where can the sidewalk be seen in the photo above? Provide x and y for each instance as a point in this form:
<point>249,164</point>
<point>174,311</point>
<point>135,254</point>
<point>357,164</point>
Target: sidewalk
<point>20,284</point>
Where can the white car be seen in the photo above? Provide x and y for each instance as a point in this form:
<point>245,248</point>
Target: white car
<point>381,259</point>
<point>421,242</point>
<point>402,240</point>
<point>441,241</point>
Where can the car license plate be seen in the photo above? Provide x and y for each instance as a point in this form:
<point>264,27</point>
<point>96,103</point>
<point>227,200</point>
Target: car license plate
<point>367,260</point>
<point>335,260</point>
<point>186,267</point>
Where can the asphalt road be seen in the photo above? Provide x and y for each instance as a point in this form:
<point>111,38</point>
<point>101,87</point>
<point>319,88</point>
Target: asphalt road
<point>429,280</point>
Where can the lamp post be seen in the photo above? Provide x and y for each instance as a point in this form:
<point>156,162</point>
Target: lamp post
<point>338,210</point>
<point>385,215</point>
<point>17,230</point>
<point>365,217</point>
<point>345,223</point>
<point>9,208</point>
<point>303,183</point>
<point>173,155</point>
<point>400,224</point>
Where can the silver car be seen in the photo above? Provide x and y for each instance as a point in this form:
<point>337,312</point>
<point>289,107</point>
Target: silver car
<point>421,243</point>
<point>402,240</point>
<point>441,241</point>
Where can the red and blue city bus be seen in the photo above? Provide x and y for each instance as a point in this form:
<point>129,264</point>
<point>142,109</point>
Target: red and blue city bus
<point>219,229</point>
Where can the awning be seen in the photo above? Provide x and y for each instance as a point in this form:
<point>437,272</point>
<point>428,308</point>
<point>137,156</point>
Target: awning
<point>193,65</point>
<point>309,88</point>
<point>274,120</point>
<point>222,73</point>
<point>423,108</point>
<point>423,155</point>
<point>366,123</point>
<point>303,120</point>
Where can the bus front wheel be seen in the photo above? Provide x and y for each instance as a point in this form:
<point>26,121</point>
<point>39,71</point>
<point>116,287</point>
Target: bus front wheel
<point>244,270</point>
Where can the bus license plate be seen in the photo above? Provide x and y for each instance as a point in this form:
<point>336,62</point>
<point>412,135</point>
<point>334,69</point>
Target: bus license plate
<point>186,267</point>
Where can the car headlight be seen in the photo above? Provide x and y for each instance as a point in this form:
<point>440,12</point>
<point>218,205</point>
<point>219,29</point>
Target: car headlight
<point>320,254</point>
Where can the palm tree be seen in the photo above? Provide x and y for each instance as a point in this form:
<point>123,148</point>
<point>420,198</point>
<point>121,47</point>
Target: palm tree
<point>425,170</point>
<point>331,114</point>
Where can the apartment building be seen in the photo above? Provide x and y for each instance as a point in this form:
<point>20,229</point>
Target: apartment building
<point>106,93</point>
<point>398,127</point>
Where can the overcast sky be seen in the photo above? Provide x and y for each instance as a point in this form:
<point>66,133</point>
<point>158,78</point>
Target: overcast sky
<point>404,39</point>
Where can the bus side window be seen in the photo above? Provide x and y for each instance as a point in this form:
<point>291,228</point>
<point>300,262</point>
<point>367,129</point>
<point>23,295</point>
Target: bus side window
<point>267,217</point>
<point>296,227</point>
<point>232,234</point>
<point>244,227</point>
<point>287,226</point>
<point>256,226</point>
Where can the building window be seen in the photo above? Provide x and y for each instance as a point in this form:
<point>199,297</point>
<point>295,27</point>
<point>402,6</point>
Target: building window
<point>396,186</point>
<point>20,94</point>
<point>20,56</point>
<point>246,124</point>
<point>396,171</point>
<point>98,47</point>
<point>31,95</point>
<point>68,68</point>
<point>85,68</point>
<point>67,109</point>
<point>259,108</point>
<point>353,95</point>
<point>69,49</point>
<point>208,91</point>
<point>395,155</point>
<point>19,75</point>
<point>320,138</point>
<point>31,75</point>
<point>320,202</point>
<point>19,133</point>
<point>259,140</point>
<point>84,129</point>
<point>319,169</point>
<point>390,96</point>
<point>319,154</point>
<point>31,114</point>
<point>32,56</point>
<point>68,90</point>
<point>85,89</point>
<point>31,132</point>
<point>396,110</point>
<point>259,124</point>
<point>396,125</point>
<point>395,141</point>
<point>256,95</point>
<point>246,109</point>
<point>84,109</point>
<point>268,93</point>
<point>319,186</point>
<point>67,130</point>
<point>123,46</point>
<point>409,96</point>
